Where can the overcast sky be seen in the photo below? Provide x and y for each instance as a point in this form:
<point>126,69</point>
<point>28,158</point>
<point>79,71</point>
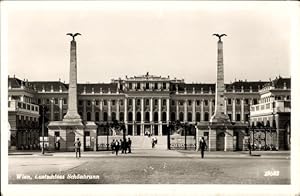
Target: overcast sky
<point>162,38</point>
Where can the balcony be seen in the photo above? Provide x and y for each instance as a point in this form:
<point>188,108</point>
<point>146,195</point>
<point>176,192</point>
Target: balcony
<point>270,108</point>
<point>19,106</point>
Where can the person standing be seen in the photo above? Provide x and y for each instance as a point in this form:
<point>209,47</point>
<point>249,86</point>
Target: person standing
<point>125,146</point>
<point>112,146</point>
<point>129,145</point>
<point>117,146</point>
<point>202,146</point>
<point>77,145</point>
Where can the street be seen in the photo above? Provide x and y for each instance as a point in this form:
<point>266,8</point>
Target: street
<point>150,167</point>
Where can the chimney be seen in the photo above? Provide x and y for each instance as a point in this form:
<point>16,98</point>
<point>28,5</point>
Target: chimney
<point>284,85</point>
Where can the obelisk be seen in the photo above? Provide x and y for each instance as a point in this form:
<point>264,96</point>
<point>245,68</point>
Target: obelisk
<point>72,113</point>
<point>219,114</point>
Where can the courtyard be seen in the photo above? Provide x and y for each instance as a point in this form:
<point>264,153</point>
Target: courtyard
<point>151,166</point>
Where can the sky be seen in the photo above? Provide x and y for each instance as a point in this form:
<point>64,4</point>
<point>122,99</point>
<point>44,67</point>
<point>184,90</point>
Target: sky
<point>163,38</point>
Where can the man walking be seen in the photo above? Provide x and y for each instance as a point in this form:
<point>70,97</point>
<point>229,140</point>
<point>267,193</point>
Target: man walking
<point>77,145</point>
<point>112,146</point>
<point>129,145</point>
<point>202,146</point>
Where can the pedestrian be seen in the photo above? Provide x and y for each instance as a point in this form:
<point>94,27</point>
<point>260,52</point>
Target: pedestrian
<point>125,146</point>
<point>155,140</point>
<point>153,143</point>
<point>202,146</point>
<point>112,146</point>
<point>122,145</point>
<point>117,146</point>
<point>129,145</point>
<point>77,145</point>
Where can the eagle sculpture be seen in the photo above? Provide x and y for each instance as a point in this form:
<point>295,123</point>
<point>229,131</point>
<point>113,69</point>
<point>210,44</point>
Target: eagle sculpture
<point>73,35</point>
<point>219,36</point>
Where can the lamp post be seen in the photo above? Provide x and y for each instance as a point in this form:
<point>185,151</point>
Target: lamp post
<point>43,131</point>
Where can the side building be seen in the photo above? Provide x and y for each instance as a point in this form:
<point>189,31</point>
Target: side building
<point>146,105</point>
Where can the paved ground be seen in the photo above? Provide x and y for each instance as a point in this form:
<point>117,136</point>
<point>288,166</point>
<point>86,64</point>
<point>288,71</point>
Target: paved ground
<point>151,167</point>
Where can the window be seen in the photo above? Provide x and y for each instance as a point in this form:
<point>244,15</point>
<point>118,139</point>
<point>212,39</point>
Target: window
<point>97,102</point>
<point>190,117</point>
<point>65,101</point>
<point>164,85</point>
<point>190,102</point>
<point>254,101</point>
<point>88,102</point>
<point>181,116</point>
<point>238,101</point>
<point>138,116</point>
<point>155,101</point>
<point>121,102</point>
<point>229,101</point>
<point>88,116</point>
<point>129,116</point>
<point>121,116</point>
<point>206,102</point>
<point>47,101</point>
<point>206,116</point>
<point>97,116</point>
<point>164,116</point>
<point>138,86</point>
<point>147,101</point>
<point>164,102</point>
<point>147,85</point>
<point>113,102</point>
<point>104,102</point>
<point>155,85</point>
<point>129,101</point>
<point>138,102</point>
<point>130,85</point>
<point>147,117</point>
<point>80,102</point>
<point>238,117</point>
<point>155,117</point>
<point>173,102</point>
<point>105,116</point>
<point>246,101</point>
<point>230,117</point>
<point>39,101</point>
<point>113,116</point>
<point>198,117</point>
<point>198,102</point>
<point>173,116</point>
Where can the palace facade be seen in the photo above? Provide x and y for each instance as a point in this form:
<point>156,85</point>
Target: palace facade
<point>146,105</point>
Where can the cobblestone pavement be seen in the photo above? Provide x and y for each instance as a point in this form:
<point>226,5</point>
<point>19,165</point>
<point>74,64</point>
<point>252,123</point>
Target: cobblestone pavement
<point>150,167</point>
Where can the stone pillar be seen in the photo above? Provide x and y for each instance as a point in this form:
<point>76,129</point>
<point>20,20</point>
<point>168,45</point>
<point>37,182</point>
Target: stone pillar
<point>117,110</point>
<point>233,110</point>
<point>202,110</point>
<point>51,109</point>
<point>159,118</point>
<point>133,116</point>
<point>151,114</point>
<point>72,113</point>
<point>109,110</point>
<point>142,116</point>
<point>194,111</point>
<point>242,111</point>
<point>228,140</point>
<point>168,110</point>
<point>60,108</point>
<point>212,140</point>
<point>177,109</point>
<point>84,110</point>
<point>125,114</point>
<point>101,109</point>
<point>93,110</point>
<point>219,114</point>
<point>185,111</point>
<point>210,109</point>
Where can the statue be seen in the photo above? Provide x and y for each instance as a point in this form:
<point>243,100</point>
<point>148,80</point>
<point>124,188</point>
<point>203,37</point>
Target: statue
<point>73,35</point>
<point>219,36</point>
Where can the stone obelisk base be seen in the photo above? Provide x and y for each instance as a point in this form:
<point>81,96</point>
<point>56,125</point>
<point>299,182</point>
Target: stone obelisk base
<point>66,133</point>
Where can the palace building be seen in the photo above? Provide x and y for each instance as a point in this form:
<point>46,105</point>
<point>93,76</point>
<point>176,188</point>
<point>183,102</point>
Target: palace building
<point>147,105</point>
